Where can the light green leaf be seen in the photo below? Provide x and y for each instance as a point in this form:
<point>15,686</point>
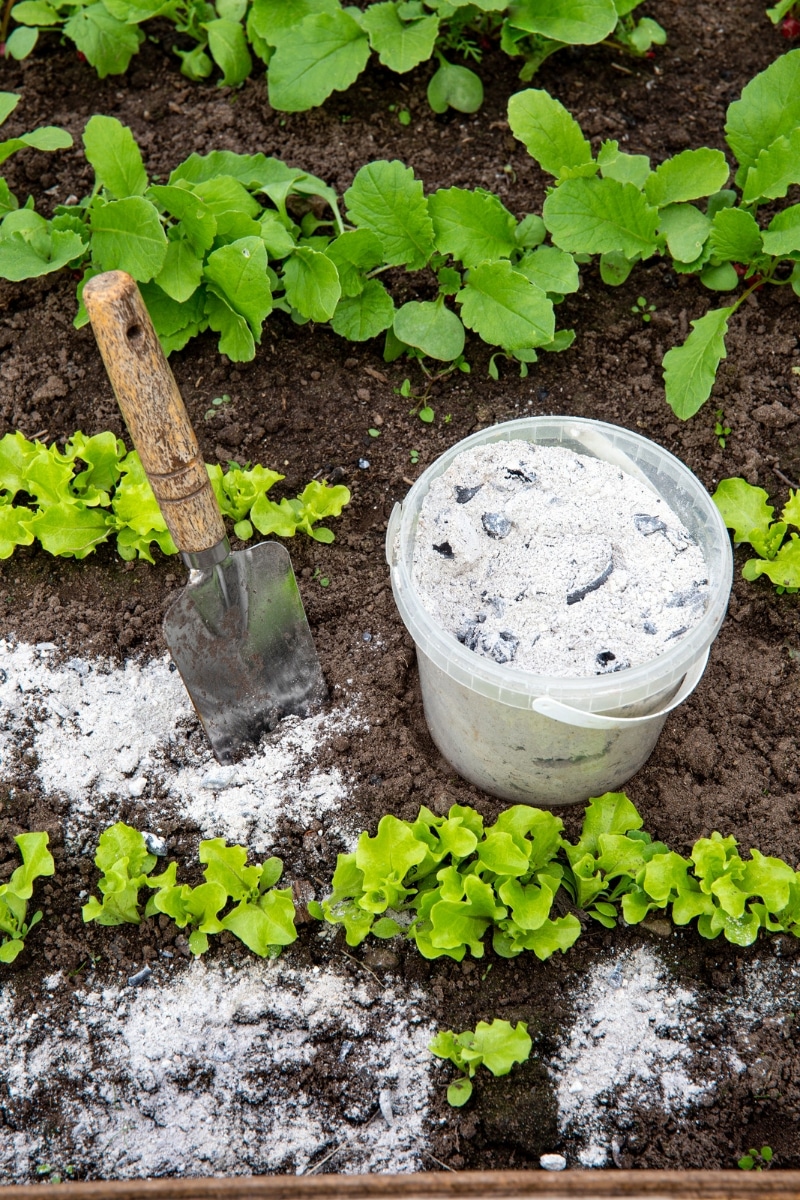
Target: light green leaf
<point>236,340</point>
<point>8,102</point>
<point>127,235</point>
<point>431,328</point>
<point>276,19</point>
<point>458,1092</point>
<point>326,52</point>
<point>228,47</point>
<point>626,168</point>
<point>614,268</point>
<point>386,199</point>
<point>744,508</point>
<point>197,221</point>
<point>690,369</point>
<point>782,235</point>
<point>195,63</point>
<point>598,216</point>
<point>111,149</point>
<point>791,510</point>
<point>553,270</point>
<point>19,259</point>
<point>20,43</point>
<point>735,236</point>
<point>312,284</point>
<point>775,170</point>
<point>530,232</point>
<point>354,252</point>
<point>457,87</point>
<point>239,273</point>
<point>686,229</point>
<point>720,279</point>
<point>576,22</point>
<point>182,271</point>
<point>70,530</point>
<point>505,308</point>
<point>109,44</point>
<point>687,176</point>
<point>400,44</point>
<point>364,316</point>
<point>48,138</point>
<point>471,226</point>
<point>783,569</point>
<point>14,529</point>
<point>769,108</point>
<point>549,132</point>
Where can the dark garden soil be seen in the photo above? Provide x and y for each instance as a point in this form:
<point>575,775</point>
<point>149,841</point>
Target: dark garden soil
<point>727,760</point>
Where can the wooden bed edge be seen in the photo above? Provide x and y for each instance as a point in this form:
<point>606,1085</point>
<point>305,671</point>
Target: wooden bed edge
<point>462,1185</point>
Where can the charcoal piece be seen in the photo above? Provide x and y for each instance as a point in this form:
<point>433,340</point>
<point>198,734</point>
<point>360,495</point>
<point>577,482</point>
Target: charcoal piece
<point>465,494</point>
<point>496,525</point>
<point>649,627</point>
<point>607,663</point>
<point>445,549</point>
<point>505,647</point>
<point>676,633</point>
<point>649,525</point>
<point>580,592</point>
<point>523,473</point>
<point>691,595</point>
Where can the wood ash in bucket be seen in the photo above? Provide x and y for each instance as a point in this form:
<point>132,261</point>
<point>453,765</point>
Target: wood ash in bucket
<point>554,562</point>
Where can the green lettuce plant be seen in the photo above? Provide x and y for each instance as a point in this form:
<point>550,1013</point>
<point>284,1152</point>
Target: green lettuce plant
<point>444,882</point>
<point>37,861</point>
<point>745,510</point>
<point>74,500</point>
<point>616,206</point>
<point>235,897</point>
<point>496,1045</point>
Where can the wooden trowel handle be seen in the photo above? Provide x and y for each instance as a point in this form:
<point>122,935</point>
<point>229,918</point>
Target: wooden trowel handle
<point>154,411</point>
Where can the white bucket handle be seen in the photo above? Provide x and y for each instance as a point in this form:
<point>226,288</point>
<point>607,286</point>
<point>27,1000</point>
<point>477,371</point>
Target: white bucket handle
<point>546,706</point>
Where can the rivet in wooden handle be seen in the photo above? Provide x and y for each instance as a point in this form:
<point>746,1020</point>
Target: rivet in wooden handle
<point>154,411</point>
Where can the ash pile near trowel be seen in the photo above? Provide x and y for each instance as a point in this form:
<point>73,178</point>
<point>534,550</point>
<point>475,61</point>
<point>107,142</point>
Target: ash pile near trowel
<point>554,562</point>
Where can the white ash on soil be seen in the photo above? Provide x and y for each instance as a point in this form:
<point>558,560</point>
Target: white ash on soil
<point>213,1073</point>
<point>101,733</point>
<point>642,1043</point>
<point>555,562</point>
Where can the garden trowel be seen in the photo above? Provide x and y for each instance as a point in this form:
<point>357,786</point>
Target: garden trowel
<point>238,633</point>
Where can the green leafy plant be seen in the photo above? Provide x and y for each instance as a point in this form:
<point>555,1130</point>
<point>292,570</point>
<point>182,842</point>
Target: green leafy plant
<point>206,254</point>
<point>614,864</point>
<point>37,861</point>
<point>757,1160</point>
<point>445,882</point>
<point>642,309</point>
<point>618,208</point>
<point>745,510</point>
<point>721,431</point>
<point>496,1045</point>
<point>315,47</point>
<point>258,913</point>
<point>48,137</point>
<point>73,500</point>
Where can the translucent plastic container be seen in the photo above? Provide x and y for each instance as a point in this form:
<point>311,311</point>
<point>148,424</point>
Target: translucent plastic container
<point>543,739</point>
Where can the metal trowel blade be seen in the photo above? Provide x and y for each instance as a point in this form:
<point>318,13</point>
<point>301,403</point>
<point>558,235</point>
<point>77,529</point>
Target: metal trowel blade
<point>239,637</point>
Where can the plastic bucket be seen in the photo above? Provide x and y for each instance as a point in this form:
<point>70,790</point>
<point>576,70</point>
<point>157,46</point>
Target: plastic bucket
<point>546,739</point>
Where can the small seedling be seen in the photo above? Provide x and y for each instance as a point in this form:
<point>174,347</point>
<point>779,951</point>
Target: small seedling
<point>15,894</point>
<point>217,403</point>
<point>721,431</point>
<point>756,1160</point>
<point>642,309</point>
<point>426,414</point>
<point>745,510</point>
<point>403,115</point>
<point>497,1046</point>
<point>321,579</point>
<point>414,456</point>
<point>374,433</point>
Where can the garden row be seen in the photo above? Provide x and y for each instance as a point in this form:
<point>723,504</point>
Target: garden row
<point>441,881</point>
<point>230,237</point>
